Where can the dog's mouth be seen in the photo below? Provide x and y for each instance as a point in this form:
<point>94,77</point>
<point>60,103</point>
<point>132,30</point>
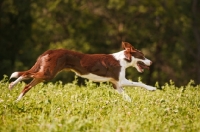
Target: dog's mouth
<point>142,66</point>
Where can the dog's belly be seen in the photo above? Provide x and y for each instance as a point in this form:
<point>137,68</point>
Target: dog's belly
<point>95,78</point>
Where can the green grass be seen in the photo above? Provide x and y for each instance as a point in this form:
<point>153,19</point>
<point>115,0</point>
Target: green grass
<point>91,108</point>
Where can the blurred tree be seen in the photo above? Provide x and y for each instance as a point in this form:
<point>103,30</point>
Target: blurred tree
<point>166,31</point>
<point>15,31</point>
<point>196,31</point>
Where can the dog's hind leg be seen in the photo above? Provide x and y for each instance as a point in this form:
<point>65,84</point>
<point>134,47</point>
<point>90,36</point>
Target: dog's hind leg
<point>37,78</point>
<point>34,82</point>
<point>20,77</point>
<point>24,75</point>
<point>12,84</point>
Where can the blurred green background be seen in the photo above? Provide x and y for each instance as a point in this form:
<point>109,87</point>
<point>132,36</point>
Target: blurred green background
<point>167,32</point>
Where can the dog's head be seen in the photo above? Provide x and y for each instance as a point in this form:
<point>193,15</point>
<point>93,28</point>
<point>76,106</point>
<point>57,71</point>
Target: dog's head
<point>135,57</point>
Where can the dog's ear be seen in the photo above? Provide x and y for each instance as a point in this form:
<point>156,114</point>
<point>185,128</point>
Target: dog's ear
<point>128,50</point>
<point>128,56</point>
<point>126,45</point>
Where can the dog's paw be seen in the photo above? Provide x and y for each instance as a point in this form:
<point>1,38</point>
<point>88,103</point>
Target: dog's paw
<point>126,97</point>
<point>11,85</point>
<point>20,97</point>
<point>151,88</point>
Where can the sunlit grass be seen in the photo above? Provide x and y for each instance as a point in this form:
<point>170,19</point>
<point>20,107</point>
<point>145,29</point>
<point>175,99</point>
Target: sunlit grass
<point>98,108</point>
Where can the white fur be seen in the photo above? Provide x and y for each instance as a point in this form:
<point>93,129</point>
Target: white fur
<point>20,97</point>
<point>14,75</point>
<point>126,97</point>
<point>95,78</point>
<point>122,80</point>
<point>12,84</point>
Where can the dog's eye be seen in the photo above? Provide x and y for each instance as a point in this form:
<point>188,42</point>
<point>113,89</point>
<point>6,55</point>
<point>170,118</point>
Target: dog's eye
<point>138,55</point>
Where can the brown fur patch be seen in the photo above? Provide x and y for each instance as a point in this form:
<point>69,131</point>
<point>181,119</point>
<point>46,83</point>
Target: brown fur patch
<point>131,51</point>
<point>101,65</point>
<point>53,61</point>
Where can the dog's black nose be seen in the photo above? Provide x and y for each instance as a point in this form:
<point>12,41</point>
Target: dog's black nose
<point>151,62</point>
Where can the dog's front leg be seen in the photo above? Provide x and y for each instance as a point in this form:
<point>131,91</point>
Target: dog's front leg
<point>126,82</point>
<point>121,91</point>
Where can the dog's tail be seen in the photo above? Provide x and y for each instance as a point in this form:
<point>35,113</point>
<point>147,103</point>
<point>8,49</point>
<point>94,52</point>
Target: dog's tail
<point>16,74</point>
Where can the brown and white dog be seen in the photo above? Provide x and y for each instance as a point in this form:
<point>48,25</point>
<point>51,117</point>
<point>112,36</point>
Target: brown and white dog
<point>96,67</point>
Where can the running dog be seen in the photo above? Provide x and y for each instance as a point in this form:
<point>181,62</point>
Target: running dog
<point>96,67</point>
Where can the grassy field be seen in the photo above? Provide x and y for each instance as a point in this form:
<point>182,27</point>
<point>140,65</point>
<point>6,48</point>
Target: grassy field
<point>98,108</point>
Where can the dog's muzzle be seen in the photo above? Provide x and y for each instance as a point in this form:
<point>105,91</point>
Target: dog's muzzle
<point>141,65</point>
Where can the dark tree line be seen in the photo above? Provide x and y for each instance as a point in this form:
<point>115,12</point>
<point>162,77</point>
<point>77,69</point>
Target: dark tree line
<point>168,32</point>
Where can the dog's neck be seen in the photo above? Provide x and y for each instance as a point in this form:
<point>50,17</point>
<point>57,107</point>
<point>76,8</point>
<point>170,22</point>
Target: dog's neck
<point>120,57</point>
